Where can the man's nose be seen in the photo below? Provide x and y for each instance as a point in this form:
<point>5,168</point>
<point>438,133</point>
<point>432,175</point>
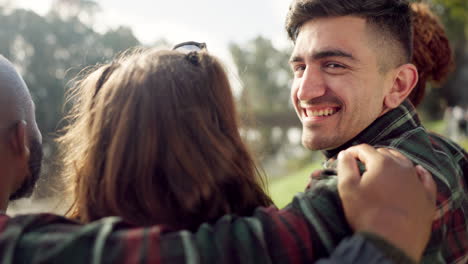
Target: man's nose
<point>311,85</point>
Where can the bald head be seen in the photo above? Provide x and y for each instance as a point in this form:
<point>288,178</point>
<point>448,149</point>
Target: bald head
<point>20,139</point>
<point>15,101</point>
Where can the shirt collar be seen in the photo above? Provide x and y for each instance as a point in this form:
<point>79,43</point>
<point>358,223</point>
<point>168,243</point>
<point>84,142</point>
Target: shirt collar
<point>390,125</point>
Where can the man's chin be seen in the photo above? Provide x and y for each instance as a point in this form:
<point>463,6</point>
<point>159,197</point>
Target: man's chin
<point>318,143</point>
<point>312,144</point>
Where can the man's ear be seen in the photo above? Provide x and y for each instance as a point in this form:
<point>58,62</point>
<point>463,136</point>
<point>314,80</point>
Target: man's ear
<point>403,83</point>
<point>18,140</point>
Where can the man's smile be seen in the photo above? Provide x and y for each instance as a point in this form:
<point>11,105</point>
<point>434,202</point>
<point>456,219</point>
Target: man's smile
<point>317,113</point>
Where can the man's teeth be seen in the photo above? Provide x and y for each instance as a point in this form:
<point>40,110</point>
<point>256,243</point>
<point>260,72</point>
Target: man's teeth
<point>323,112</point>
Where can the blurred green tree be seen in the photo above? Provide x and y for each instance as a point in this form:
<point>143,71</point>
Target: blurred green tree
<point>49,51</point>
<point>265,76</point>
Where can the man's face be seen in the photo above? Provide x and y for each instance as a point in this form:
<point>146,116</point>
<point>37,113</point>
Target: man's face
<point>337,90</point>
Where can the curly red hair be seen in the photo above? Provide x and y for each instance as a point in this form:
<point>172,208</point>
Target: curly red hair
<point>432,53</point>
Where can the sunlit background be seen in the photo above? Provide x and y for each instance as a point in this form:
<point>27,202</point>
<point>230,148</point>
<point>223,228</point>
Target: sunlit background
<point>51,40</point>
<point>216,22</point>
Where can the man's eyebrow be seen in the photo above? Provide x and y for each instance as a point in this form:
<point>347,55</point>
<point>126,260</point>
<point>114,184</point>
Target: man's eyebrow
<point>324,54</point>
<point>332,53</point>
<point>294,59</point>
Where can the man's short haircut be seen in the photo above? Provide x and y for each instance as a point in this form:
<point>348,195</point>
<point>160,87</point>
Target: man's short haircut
<point>389,20</point>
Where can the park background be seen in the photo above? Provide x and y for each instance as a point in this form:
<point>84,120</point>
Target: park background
<point>50,41</point>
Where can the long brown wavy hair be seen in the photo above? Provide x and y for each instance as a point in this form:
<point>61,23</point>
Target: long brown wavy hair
<point>154,138</point>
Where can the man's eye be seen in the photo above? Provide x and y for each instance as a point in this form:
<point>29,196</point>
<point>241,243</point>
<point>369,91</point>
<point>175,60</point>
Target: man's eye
<point>299,68</point>
<point>334,66</point>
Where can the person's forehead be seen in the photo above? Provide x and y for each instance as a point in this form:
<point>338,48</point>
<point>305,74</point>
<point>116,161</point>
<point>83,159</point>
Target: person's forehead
<point>346,33</point>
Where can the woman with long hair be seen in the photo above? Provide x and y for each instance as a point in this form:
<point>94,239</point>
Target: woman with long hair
<point>154,138</point>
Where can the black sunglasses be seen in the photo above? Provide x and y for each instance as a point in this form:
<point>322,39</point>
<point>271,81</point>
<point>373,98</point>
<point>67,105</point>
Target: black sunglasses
<point>189,46</point>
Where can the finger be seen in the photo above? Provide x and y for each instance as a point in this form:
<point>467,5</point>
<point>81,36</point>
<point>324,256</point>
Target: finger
<point>348,171</point>
<point>365,153</point>
<point>428,182</point>
<point>400,157</point>
<point>398,154</point>
<point>384,151</point>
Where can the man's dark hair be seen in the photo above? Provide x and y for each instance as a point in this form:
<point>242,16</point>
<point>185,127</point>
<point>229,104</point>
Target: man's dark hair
<point>390,19</point>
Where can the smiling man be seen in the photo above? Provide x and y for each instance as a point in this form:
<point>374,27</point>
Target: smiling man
<point>352,76</point>
<point>342,79</point>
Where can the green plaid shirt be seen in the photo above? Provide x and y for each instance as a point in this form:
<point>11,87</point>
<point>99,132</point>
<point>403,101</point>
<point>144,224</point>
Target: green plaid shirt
<point>400,129</point>
<point>308,229</point>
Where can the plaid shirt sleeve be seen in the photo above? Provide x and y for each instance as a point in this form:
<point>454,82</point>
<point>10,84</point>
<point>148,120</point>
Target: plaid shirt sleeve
<point>307,230</point>
<point>363,248</point>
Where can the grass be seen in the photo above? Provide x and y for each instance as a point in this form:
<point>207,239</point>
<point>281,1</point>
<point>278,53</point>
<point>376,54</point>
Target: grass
<point>283,189</point>
<point>464,144</point>
<point>437,126</point>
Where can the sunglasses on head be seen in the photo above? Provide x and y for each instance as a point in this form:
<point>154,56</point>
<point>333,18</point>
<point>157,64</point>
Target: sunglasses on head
<point>189,46</point>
